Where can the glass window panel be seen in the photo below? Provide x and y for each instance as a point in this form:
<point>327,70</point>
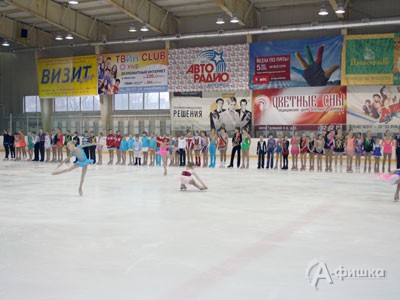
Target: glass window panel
<point>151,100</point>
<point>30,104</point>
<point>38,109</point>
<point>87,103</point>
<point>136,101</point>
<point>96,103</point>
<point>121,102</point>
<point>74,104</point>
<point>60,104</point>
<point>164,100</point>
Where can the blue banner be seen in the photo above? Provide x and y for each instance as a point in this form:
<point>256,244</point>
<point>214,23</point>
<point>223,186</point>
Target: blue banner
<point>296,63</point>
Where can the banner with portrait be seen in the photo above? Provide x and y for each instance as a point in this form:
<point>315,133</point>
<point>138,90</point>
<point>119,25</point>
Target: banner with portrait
<point>371,59</point>
<point>299,106</point>
<point>67,76</point>
<point>373,106</point>
<point>210,113</point>
<point>217,68</point>
<point>133,72</point>
<point>295,63</point>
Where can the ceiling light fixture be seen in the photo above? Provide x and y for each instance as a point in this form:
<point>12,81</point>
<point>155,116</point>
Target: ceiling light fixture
<point>340,8</point>
<point>323,11</point>
<point>220,20</point>
<point>69,36</point>
<point>58,37</point>
<point>5,43</point>
<point>144,28</point>
<point>73,2</point>
<point>132,28</point>
<point>234,18</point>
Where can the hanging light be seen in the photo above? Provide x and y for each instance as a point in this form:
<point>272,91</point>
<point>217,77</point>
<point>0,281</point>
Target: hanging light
<point>323,11</point>
<point>340,8</point>
<point>234,18</point>
<point>220,20</point>
<point>58,37</point>
<point>132,28</point>
<point>5,43</point>
<point>144,28</point>
<point>69,36</point>
<point>73,2</point>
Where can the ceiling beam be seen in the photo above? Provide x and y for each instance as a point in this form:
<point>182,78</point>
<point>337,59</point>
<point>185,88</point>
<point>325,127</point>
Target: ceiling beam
<point>247,14</point>
<point>64,18</point>
<point>334,5</point>
<point>11,30</point>
<point>157,19</point>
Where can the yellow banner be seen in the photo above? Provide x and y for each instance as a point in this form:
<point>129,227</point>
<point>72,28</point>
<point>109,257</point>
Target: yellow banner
<point>67,76</point>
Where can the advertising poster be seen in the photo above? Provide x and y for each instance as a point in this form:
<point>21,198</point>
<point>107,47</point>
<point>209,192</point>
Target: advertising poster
<point>219,68</point>
<point>284,108</point>
<point>133,72</point>
<point>211,113</point>
<point>67,76</point>
<point>371,59</point>
<point>295,63</point>
<point>373,106</point>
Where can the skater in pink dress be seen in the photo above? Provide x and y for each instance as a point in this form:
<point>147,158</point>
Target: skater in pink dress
<point>295,141</point>
<point>164,155</point>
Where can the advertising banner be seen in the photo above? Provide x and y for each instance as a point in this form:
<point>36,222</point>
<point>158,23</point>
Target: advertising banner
<point>133,72</point>
<point>371,59</point>
<point>299,106</point>
<point>67,76</point>
<point>295,63</point>
<point>219,68</point>
<point>210,113</point>
<point>373,106</point>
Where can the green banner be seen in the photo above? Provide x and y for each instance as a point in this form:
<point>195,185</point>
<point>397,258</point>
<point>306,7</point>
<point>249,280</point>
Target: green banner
<point>371,59</point>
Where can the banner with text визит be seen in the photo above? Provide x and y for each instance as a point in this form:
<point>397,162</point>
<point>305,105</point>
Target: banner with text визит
<point>217,68</point>
<point>299,106</point>
<point>295,63</point>
<point>210,113</point>
<point>373,106</point>
<point>371,59</point>
<point>133,72</point>
<point>67,76</point>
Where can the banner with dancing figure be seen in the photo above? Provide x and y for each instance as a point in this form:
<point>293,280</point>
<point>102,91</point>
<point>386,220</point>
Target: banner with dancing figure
<point>376,106</point>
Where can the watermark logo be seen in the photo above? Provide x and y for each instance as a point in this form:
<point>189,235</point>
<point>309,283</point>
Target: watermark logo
<point>318,271</point>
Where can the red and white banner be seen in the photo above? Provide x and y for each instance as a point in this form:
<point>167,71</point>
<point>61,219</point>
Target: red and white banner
<point>220,68</point>
<point>299,106</point>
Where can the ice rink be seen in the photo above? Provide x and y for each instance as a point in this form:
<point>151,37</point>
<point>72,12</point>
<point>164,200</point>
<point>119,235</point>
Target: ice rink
<point>251,236</point>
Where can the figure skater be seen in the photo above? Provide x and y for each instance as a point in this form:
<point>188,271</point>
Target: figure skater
<point>82,161</point>
<point>295,141</point>
<point>187,177</point>
<point>377,154</point>
<point>368,149</point>
<point>304,144</point>
<point>204,148</point>
<point>311,150</point>
<point>213,148</point>
<point>163,152</point>
<point>393,178</point>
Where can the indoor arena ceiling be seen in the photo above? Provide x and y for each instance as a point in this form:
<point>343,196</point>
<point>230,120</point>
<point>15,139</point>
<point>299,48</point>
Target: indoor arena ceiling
<point>36,23</point>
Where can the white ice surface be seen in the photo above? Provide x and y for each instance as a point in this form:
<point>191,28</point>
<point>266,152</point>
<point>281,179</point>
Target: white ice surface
<point>251,236</point>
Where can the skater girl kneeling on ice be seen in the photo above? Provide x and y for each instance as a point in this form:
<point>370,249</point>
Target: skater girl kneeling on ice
<point>188,177</point>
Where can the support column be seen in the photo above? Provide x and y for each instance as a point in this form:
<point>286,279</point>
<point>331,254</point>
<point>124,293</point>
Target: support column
<point>46,111</point>
<point>105,111</point>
